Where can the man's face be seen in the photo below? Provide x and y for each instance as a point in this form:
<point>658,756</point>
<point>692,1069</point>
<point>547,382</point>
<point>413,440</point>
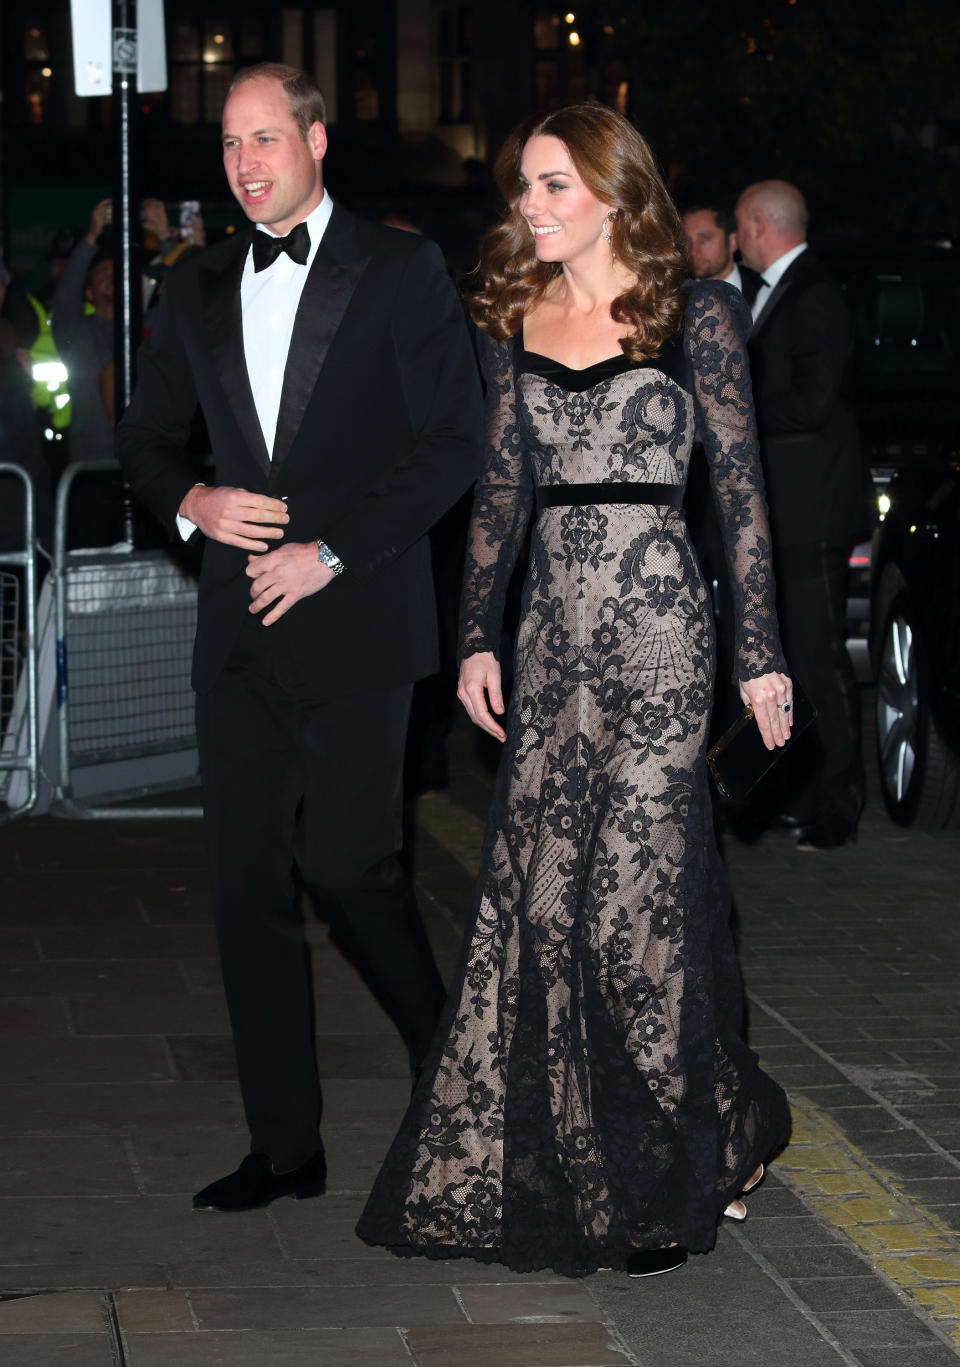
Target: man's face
<point>710,248</point>
<point>749,231</point>
<point>100,288</point>
<point>273,172</point>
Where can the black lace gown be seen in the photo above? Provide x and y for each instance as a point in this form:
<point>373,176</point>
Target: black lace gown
<point>589,1091</point>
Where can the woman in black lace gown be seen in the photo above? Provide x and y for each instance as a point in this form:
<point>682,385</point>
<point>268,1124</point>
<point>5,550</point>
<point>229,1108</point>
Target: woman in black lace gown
<point>589,1100</point>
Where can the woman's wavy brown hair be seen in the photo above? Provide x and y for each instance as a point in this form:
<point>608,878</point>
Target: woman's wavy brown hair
<point>617,166</point>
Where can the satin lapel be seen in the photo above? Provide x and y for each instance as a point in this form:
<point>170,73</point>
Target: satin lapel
<point>773,299</point>
<point>224,323</point>
<point>328,291</point>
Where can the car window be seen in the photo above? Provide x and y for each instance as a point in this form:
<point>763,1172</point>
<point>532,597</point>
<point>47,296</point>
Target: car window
<point>906,329</point>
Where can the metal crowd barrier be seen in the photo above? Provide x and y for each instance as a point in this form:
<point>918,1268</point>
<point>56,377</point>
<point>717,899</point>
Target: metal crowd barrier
<point>125,622</point>
<point>19,746</point>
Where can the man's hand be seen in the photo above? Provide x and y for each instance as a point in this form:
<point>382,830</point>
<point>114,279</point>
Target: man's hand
<point>235,516</point>
<point>99,219</point>
<point>289,574</point>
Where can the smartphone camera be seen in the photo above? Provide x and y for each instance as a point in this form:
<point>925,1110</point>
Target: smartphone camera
<point>189,210</point>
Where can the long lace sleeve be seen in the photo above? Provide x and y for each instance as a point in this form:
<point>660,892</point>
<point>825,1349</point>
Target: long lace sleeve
<point>718,323</point>
<point>501,506</point>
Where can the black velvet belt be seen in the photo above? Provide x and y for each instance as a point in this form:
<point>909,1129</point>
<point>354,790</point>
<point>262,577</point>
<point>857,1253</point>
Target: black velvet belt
<point>578,495</point>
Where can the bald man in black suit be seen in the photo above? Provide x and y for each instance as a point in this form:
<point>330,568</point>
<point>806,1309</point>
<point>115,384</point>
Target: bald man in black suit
<point>800,353</point>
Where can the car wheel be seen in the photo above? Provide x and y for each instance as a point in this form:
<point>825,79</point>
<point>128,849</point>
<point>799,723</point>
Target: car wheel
<point>919,777</point>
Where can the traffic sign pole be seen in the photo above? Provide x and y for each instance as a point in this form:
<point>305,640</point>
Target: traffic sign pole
<point>128,298</point>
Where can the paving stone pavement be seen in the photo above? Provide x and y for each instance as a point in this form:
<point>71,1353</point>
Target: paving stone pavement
<point>117,1101</point>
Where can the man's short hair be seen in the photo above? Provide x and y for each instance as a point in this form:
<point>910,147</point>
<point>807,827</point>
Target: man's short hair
<point>724,218</point>
<point>304,97</point>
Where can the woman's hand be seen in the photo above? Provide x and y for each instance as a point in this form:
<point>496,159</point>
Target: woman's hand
<point>767,696</point>
<point>480,682</point>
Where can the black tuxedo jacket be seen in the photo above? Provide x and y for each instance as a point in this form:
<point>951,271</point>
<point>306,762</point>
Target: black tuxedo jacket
<point>751,281</point>
<point>378,434</point>
<point>800,351</point>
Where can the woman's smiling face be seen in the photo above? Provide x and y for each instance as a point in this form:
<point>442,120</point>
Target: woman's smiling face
<point>566,218</point>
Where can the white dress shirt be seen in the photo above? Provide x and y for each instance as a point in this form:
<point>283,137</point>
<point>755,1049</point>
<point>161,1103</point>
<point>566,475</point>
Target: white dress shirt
<point>269,300</point>
<point>772,276</point>
<point>734,278</point>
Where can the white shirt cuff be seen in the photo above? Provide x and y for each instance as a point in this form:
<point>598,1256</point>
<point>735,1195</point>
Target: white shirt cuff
<point>185,527</point>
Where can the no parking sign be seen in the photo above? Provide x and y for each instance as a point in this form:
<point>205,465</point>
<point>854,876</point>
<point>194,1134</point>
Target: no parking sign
<point>99,49</point>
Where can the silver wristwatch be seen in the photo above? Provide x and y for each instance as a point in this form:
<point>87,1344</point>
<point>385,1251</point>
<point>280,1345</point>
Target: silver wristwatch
<point>329,558</point>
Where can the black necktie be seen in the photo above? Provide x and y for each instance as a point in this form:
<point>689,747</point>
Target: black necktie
<point>266,247</point>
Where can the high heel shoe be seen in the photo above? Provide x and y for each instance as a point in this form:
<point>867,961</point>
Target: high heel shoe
<point>649,1262</point>
<point>736,1210</point>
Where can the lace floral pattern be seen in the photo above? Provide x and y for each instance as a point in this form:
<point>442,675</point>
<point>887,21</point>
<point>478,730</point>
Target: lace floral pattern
<point>589,1091</point>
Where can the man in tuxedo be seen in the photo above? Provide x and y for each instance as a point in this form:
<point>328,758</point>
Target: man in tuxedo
<point>800,351</point>
<point>333,367</point>
<point>711,237</point>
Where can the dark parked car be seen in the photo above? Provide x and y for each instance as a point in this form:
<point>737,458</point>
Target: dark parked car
<point>905,300</point>
<point>904,594</point>
<point>904,296</point>
<point>915,644</point>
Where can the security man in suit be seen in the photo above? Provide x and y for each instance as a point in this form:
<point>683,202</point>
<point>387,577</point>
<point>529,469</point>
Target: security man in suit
<point>333,367</point>
<point>711,237</point>
<point>800,352</point>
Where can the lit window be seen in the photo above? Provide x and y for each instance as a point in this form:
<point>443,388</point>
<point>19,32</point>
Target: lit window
<point>455,54</point>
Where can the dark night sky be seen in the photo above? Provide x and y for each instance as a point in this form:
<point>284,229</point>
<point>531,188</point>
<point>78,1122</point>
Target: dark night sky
<point>809,91</point>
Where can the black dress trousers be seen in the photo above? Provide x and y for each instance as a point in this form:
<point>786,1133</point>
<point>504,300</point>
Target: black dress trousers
<point>291,783</point>
<point>824,778</point>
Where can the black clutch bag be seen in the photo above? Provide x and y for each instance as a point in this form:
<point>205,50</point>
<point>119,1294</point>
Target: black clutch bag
<point>740,759</point>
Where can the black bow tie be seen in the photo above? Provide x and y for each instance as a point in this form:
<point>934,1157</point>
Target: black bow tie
<point>266,247</point>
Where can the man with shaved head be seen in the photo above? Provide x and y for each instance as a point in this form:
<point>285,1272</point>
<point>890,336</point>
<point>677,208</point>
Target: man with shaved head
<point>800,359</point>
<point>773,214</point>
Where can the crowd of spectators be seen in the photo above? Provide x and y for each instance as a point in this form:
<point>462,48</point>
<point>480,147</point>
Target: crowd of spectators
<point>56,353</point>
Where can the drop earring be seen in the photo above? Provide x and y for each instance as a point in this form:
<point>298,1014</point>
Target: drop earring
<point>604,230</point>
